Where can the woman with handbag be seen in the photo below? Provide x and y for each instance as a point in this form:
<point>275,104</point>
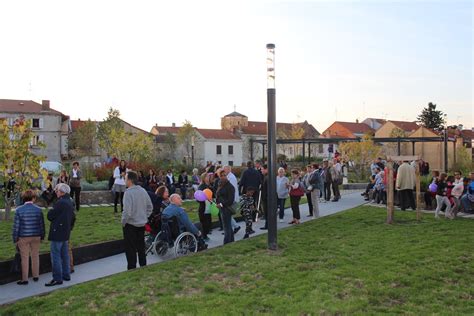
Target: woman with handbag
<point>296,192</point>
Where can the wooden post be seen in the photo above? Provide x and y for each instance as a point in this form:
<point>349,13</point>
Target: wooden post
<point>390,188</point>
<point>418,193</point>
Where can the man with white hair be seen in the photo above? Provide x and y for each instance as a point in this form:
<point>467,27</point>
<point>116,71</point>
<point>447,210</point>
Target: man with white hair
<point>62,218</point>
<point>233,180</point>
<point>175,210</point>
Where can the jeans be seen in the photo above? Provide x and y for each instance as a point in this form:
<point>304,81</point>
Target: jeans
<point>440,200</point>
<point>76,195</point>
<point>281,207</point>
<point>466,204</point>
<point>310,203</point>
<point>60,260</point>
<point>134,238</point>
<point>227,222</point>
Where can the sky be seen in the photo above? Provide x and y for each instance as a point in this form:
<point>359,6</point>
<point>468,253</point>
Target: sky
<point>163,62</point>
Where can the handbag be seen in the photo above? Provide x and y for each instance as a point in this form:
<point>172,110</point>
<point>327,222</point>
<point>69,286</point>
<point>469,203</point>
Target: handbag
<point>16,263</point>
<point>234,208</point>
<point>297,192</point>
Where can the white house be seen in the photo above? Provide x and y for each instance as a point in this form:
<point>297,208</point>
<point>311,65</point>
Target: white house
<point>49,126</point>
<point>216,145</point>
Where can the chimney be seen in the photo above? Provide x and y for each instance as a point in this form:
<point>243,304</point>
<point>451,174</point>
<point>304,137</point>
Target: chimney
<point>173,124</point>
<point>45,105</point>
<point>357,121</point>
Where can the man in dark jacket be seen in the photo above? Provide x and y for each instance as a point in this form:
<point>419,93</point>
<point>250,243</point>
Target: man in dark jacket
<point>61,217</point>
<point>225,197</point>
<point>251,178</point>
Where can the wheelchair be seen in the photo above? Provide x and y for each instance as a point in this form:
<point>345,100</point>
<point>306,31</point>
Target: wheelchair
<point>170,239</point>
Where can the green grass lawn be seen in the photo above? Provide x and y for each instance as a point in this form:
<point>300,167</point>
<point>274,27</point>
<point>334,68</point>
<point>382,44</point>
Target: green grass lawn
<point>93,224</point>
<point>350,263</point>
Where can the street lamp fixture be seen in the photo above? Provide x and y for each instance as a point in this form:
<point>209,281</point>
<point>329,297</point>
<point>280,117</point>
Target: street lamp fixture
<point>271,66</point>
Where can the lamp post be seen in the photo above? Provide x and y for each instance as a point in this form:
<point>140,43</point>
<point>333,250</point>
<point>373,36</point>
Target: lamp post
<point>271,156</point>
<point>445,144</point>
<point>192,151</point>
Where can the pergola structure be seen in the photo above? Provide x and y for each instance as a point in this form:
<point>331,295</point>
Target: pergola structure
<point>310,141</point>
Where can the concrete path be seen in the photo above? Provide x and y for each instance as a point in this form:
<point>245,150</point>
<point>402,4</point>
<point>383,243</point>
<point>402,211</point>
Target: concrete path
<point>112,265</point>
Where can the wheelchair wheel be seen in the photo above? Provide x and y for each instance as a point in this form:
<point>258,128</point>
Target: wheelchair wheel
<point>149,243</point>
<point>185,243</point>
<point>160,246</point>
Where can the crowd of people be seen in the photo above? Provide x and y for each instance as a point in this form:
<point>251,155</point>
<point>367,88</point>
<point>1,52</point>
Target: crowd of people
<point>448,193</point>
<point>153,199</point>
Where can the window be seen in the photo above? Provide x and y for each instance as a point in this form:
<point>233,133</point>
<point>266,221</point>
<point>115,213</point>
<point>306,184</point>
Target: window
<point>231,149</point>
<point>35,123</point>
<point>231,163</point>
<point>321,149</point>
<point>35,140</point>
<point>219,150</point>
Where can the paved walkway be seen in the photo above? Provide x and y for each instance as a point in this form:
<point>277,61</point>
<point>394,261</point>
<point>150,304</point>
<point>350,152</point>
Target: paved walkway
<point>115,264</point>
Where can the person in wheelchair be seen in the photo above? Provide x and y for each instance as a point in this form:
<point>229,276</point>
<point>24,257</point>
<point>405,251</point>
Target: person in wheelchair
<point>175,210</point>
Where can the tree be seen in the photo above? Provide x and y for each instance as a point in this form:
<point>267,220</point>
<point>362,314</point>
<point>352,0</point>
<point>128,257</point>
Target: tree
<point>464,161</point>
<point>83,140</point>
<point>18,164</point>
<point>361,154</point>
<point>432,118</point>
<point>135,147</point>
<point>185,137</point>
<point>111,125</point>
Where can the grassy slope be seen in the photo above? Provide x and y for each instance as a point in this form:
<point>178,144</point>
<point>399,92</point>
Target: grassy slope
<point>94,224</point>
<point>347,263</point>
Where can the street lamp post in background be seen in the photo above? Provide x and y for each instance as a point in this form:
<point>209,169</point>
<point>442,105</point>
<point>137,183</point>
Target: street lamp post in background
<point>271,156</point>
<point>445,144</point>
<point>192,151</point>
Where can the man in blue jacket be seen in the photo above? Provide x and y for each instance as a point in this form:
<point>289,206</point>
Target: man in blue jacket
<point>61,217</point>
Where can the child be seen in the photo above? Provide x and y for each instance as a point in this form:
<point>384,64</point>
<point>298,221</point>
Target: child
<point>246,209</point>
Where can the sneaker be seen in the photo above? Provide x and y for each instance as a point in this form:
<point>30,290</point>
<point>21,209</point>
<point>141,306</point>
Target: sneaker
<point>36,279</point>
<point>236,229</point>
<point>67,279</point>
<point>281,220</point>
<point>263,228</point>
<point>246,236</point>
<point>22,282</point>
<point>251,232</point>
<point>310,215</point>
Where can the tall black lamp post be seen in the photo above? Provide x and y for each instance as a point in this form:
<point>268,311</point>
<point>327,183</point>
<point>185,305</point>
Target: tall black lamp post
<point>192,151</point>
<point>271,156</point>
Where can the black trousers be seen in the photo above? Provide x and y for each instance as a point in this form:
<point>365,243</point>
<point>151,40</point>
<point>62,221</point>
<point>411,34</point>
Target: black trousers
<point>295,206</point>
<point>118,196</point>
<point>335,190</point>
<point>327,191</point>
<point>76,195</point>
<point>206,222</point>
<point>310,203</point>
<point>407,199</point>
<point>134,238</point>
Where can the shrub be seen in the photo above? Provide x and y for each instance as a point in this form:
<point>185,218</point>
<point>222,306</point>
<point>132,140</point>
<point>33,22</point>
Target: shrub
<point>96,186</point>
